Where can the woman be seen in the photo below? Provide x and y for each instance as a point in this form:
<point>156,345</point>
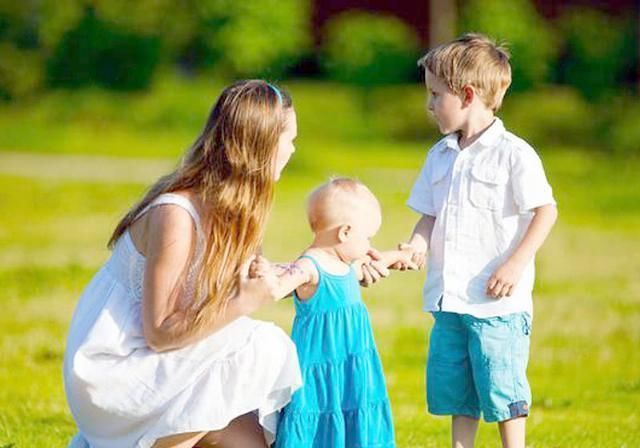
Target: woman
<point>160,350</point>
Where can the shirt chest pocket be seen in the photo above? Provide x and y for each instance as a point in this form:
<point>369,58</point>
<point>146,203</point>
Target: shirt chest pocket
<point>488,186</point>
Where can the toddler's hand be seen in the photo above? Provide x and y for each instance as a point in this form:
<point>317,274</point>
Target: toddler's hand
<point>504,280</point>
<point>374,269</point>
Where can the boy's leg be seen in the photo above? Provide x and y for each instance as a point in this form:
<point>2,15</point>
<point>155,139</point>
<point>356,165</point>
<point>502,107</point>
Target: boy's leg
<point>499,351</point>
<point>450,387</point>
<point>463,431</point>
<point>512,432</point>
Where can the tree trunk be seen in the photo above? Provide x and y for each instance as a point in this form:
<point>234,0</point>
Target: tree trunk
<point>443,17</point>
<point>638,49</point>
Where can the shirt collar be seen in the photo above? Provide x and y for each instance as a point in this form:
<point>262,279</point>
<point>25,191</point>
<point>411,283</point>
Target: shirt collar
<point>490,137</point>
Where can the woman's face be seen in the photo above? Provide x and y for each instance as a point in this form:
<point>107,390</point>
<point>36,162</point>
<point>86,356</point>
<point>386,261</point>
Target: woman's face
<point>285,144</point>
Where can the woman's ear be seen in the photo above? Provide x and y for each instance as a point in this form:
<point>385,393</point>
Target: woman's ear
<point>343,232</point>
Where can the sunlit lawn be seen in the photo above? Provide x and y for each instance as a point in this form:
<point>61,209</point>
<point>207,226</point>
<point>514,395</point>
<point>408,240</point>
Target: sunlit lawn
<point>58,211</point>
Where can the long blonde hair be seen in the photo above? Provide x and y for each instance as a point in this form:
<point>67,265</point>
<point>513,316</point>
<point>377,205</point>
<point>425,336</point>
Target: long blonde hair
<point>231,164</point>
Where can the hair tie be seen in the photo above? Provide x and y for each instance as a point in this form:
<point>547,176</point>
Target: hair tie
<point>277,92</point>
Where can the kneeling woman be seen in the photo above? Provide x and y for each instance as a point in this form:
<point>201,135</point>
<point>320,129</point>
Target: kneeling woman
<point>161,351</point>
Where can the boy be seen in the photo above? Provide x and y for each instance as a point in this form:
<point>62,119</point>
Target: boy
<point>486,209</point>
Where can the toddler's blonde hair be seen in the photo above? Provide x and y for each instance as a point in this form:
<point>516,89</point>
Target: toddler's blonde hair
<point>338,201</point>
<point>472,60</point>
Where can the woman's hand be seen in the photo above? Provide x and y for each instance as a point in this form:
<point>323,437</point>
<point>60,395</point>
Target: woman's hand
<point>258,285</point>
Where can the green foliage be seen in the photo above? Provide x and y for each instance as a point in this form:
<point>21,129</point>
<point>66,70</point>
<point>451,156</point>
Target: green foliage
<point>20,71</point>
<point>118,44</point>
<point>262,38</point>
<point>96,52</point>
<point>241,38</point>
<point>552,116</point>
<point>400,113</point>
<point>528,36</point>
<point>28,32</point>
<point>367,49</point>
<point>624,132</point>
<point>598,51</point>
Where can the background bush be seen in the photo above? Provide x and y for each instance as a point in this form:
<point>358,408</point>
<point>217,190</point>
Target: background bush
<point>367,49</point>
<point>96,52</point>
<point>529,37</point>
<point>20,71</point>
<point>624,132</point>
<point>597,51</point>
<point>553,115</point>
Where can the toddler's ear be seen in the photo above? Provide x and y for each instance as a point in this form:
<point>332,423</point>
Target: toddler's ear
<point>343,232</point>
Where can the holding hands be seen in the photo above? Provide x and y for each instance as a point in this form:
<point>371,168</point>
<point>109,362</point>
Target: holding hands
<point>377,264</point>
<point>409,258</point>
<point>373,268</point>
<point>258,284</point>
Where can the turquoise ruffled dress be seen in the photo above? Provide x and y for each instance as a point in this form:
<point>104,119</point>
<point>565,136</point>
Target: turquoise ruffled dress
<point>343,402</point>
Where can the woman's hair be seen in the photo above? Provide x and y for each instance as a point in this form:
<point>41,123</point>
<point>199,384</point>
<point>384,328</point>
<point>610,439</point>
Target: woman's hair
<point>231,165</point>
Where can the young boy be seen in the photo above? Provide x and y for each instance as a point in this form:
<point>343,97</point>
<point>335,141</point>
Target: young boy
<point>486,209</point>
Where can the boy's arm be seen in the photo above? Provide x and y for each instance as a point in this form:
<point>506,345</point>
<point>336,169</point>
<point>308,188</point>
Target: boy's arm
<point>418,243</point>
<point>289,275</point>
<point>502,282</point>
<point>422,234</point>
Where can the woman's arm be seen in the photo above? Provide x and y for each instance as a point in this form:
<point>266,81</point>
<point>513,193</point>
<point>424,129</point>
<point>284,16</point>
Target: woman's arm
<point>171,240</point>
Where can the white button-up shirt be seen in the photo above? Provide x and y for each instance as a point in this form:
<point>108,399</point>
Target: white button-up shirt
<point>482,198</point>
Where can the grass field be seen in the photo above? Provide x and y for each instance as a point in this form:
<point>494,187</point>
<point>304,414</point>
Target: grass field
<point>65,179</point>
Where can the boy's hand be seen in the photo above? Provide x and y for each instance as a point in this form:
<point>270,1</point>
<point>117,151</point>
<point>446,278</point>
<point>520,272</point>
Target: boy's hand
<point>504,280</point>
<point>412,259</point>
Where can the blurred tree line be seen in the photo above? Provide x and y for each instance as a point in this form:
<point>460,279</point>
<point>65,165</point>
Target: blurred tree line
<point>120,44</point>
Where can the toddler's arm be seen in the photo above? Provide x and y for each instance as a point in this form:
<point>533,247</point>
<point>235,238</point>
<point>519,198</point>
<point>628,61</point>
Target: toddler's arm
<point>290,276</point>
<point>502,282</point>
<point>389,258</point>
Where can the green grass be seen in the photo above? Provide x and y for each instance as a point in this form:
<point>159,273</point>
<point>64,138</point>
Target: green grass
<point>61,198</point>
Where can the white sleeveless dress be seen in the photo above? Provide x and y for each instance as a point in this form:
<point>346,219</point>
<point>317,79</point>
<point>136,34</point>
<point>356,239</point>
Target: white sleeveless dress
<point>123,394</point>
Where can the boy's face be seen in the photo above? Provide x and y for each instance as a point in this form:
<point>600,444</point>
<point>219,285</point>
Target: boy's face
<point>445,106</point>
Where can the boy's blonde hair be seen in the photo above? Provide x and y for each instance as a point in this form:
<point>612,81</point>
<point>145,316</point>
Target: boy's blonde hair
<point>472,60</point>
<point>338,201</point>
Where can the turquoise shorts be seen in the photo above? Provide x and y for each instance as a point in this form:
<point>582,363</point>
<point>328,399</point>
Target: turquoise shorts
<point>477,366</point>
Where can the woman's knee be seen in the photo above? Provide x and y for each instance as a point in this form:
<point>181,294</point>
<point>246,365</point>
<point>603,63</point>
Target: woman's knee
<point>185,440</point>
<point>242,432</point>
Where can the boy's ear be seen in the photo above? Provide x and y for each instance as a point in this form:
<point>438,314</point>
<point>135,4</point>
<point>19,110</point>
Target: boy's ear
<point>343,232</point>
<point>468,94</point>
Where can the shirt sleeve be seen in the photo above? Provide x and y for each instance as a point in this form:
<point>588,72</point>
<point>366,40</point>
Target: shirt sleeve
<point>530,186</point>
<point>421,197</point>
